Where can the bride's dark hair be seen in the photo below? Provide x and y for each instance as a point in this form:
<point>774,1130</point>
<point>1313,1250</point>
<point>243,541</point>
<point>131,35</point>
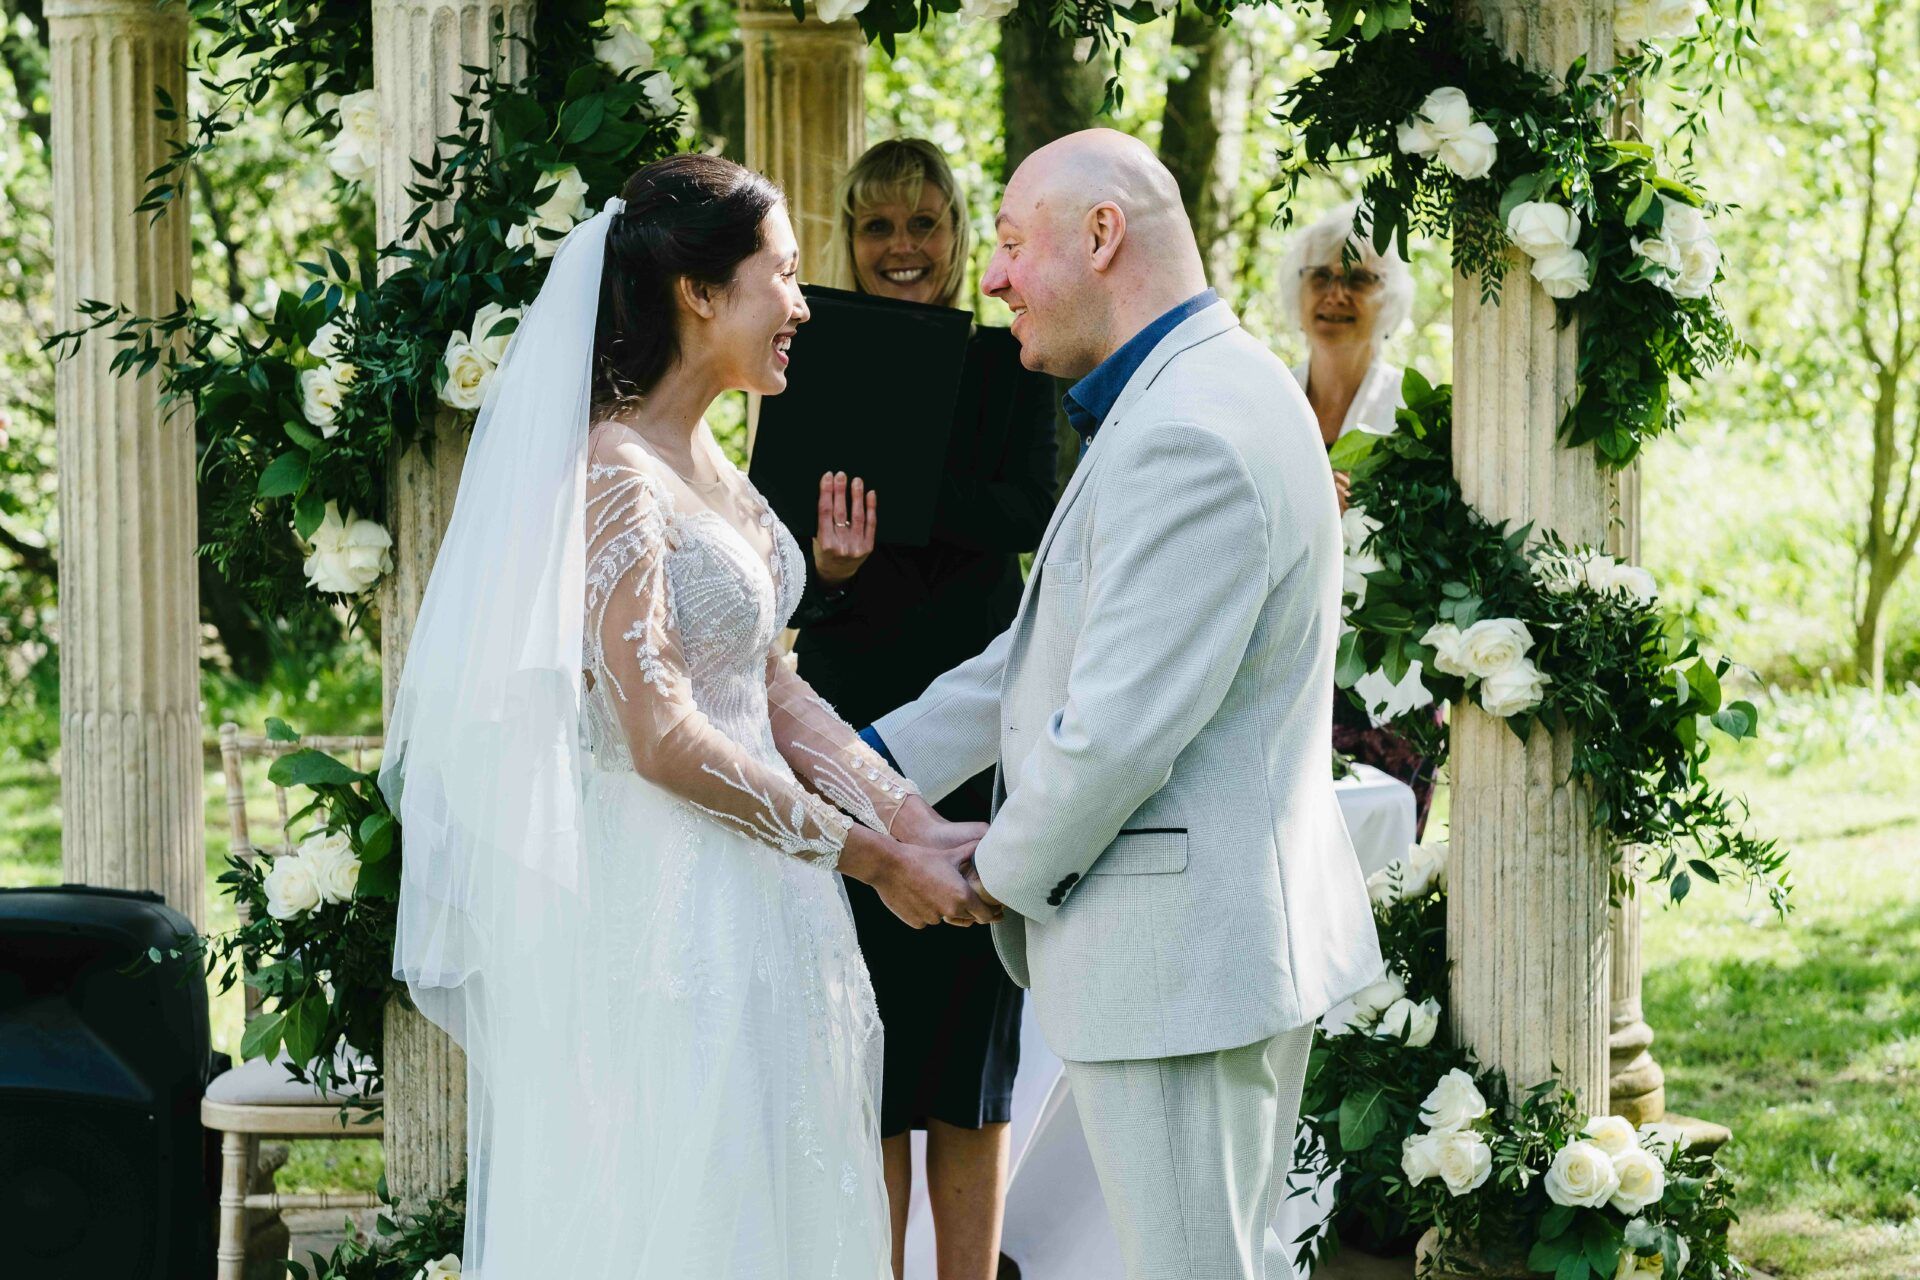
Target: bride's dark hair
<point>696,216</point>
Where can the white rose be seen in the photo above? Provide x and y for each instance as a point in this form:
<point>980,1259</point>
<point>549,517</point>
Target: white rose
<point>1375,999</point>
<point>329,341</point>
<point>659,100</point>
<point>321,391</point>
<point>1354,568</point>
<point>354,157</point>
<point>1454,1103</point>
<point>1639,1179</point>
<point>347,554</point>
<point>1387,701</point>
<point>622,51</point>
<point>291,887</point>
<point>446,1268</point>
<point>490,344</point>
<point>1493,645</point>
<point>1464,1160</point>
<point>1471,155</point>
<point>1446,112</point>
<point>1419,1157</point>
<point>360,113</point>
<point>1633,581</point>
<point>1518,689</point>
<point>1427,869</point>
<point>1444,639</point>
<point>1412,1023</point>
<point>1699,268</point>
<point>1681,223</point>
<point>1383,886</point>
<point>994,10</point>
<point>1356,526</point>
<point>1542,229</point>
<point>467,372</point>
<point>1415,138</point>
<point>837,10</point>
<point>1581,1174</point>
<point>1637,21</point>
<point>544,246</point>
<point>1566,274</point>
<point>334,865</point>
<point>566,201</point>
<point>1612,1134</point>
<point>1659,251</point>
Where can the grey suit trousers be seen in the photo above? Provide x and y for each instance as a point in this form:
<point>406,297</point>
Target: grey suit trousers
<point>1193,1155</point>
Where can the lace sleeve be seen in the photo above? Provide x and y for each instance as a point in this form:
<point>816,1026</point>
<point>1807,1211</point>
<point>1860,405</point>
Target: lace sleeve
<point>634,647</point>
<point>826,752</point>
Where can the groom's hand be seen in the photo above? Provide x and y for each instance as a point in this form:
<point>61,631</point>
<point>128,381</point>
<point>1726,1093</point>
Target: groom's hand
<point>980,890</point>
<point>918,823</point>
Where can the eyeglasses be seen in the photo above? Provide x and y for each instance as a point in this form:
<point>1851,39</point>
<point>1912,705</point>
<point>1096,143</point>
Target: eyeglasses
<point>1353,280</point>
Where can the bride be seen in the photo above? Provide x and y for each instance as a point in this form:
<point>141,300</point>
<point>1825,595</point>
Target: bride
<point>622,809</point>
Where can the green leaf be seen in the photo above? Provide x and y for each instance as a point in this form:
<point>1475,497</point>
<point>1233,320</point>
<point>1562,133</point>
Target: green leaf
<point>1351,449</point>
<point>263,1035</point>
<point>1572,1267</point>
<point>579,119</point>
<point>1555,1221</point>
<point>279,730</point>
<point>378,879</point>
<point>1602,1244</point>
<point>376,837</point>
<point>1642,201</point>
<point>309,509</point>
<point>297,432</point>
<point>1737,720</point>
<point>305,1021</point>
<point>285,475</point>
<point>1362,1116</point>
<point>1546,1255</point>
<point>1350,663</point>
<point>310,768</point>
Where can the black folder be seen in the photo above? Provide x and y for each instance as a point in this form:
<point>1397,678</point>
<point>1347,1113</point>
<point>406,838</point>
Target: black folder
<point>871,391</point>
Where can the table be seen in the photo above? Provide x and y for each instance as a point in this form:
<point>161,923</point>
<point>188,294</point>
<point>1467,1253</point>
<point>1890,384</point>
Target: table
<point>1056,1226</point>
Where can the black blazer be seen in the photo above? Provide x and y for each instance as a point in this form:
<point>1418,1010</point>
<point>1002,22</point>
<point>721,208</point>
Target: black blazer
<point>911,613</point>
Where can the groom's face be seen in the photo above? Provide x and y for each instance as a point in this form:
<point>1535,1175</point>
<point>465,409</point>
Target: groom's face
<point>1050,288</point>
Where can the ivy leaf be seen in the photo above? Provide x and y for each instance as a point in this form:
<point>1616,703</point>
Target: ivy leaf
<point>284,476</point>
<point>1362,1116</point>
<point>310,768</point>
<point>1738,720</point>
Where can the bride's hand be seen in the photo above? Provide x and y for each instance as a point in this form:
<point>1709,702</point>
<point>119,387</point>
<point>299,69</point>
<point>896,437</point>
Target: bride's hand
<point>918,823</point>
<point>848,524</point>
<point>921,885</point>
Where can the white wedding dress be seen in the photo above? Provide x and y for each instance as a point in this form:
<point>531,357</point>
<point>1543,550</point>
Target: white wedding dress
<point>734,1073</point>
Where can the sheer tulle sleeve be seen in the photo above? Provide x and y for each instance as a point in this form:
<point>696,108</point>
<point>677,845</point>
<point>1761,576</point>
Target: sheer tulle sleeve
<point>827,753</point>
<point>633,646</point>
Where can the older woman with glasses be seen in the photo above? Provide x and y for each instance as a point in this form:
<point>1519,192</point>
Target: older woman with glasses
<point>1347,308</point>
<point>1348,302</point>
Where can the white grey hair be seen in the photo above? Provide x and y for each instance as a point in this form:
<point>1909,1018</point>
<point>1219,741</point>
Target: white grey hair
<point>1319,244</point>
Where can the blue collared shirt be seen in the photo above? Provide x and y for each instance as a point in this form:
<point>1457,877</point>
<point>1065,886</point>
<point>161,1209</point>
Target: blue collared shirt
<point>1091,399</point>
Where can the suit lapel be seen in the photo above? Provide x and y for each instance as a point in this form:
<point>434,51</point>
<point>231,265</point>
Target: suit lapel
<point>1195,329</point>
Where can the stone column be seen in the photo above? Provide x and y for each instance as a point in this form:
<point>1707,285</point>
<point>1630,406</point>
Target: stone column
<point>806,114</point>
<point>419,48</point>
<point>129,594</point>
<point>1527,919</point>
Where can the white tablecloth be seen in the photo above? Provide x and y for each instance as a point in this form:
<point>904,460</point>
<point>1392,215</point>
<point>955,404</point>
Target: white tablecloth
<point>1056,1226</point>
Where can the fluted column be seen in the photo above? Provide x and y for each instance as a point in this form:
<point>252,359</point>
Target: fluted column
<point>419,48</point>
<point>806,114</point>
<point>129,595</point>
<point>1527,918</point>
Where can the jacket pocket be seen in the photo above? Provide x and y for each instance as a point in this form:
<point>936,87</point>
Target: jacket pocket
<point>1059,573</point>
<point>1158,851</point>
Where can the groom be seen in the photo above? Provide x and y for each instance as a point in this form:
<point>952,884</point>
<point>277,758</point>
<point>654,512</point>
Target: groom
<point>1179,890</point>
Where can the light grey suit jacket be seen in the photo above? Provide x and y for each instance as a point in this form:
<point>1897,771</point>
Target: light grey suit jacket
<point>1176,870</point>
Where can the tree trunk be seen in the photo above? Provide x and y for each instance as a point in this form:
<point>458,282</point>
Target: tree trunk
<point>1045,93</point>
<point>1869,629</point>
<point>1190,128</point>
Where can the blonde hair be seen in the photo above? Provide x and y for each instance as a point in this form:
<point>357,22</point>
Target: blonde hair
<point>1322,243</point>
<point>896,170</point>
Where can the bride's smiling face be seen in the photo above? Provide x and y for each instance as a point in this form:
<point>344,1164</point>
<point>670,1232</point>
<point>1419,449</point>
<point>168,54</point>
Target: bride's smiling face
<point>746,327</point>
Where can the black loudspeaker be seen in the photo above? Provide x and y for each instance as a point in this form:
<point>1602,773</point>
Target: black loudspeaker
<point>103,1058</point>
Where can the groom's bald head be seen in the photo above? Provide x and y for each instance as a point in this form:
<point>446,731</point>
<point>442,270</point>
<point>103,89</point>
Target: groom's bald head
<point>1094,243</point>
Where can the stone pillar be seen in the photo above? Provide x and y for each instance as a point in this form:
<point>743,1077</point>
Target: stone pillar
<point>129,592</point>
<point>806,114</point>
<point>1527,918</point>
<point>419,48</point>
<point>1636,1085</point>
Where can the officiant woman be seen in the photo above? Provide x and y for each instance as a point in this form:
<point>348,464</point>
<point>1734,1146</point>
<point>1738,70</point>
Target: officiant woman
<point>877,624</point>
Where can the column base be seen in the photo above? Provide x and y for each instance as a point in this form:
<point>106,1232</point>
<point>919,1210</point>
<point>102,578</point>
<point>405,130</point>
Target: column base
<point>1702,1135</point>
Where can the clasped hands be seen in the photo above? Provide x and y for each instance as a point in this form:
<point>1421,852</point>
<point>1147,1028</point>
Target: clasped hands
<point>923,868</point>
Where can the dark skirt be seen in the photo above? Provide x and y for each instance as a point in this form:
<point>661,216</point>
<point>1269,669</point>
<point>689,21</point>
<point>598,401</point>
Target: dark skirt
<point>952,1014</point>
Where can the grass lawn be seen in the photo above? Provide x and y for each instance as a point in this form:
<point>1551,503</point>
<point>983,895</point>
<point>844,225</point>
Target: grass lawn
<point>1803,1037</point>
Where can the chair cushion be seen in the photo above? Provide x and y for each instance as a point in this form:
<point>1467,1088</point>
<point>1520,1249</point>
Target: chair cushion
<point>267,1083</point>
